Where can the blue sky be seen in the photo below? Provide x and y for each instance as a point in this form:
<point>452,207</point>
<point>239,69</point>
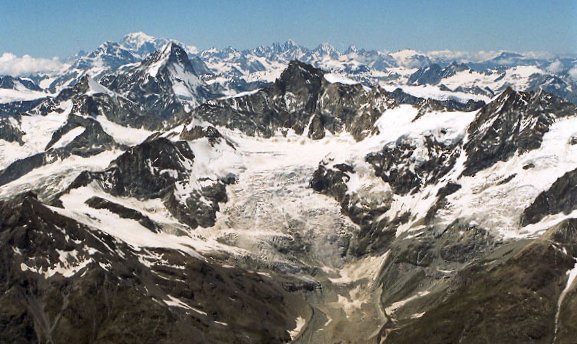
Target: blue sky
<point>61,28</point>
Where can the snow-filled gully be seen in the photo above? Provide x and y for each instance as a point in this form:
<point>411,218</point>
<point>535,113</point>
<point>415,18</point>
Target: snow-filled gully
<point>572,274</point>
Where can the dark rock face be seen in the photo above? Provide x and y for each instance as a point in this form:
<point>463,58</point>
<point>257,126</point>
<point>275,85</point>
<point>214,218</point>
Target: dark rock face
<point>200,67</point>
<point>210,133</point>
<point>21,106</point>
<point>518,283</point>
<point>11,83</point>
<point>399,165</point>
<point>428,105</point>
<point>463,243</point>
<point>91,141</point>
<point>109,295</point>
<point>331,182</point>
<point>160,168</point>
<point>148,170</point>
<point>199,207</point>
<point>375,234</point>
<point>441,202</point>
<point>433,74</point>
<point>514,122</point>
<point>561,197</point>
<point>300,99</point>
<point>303,100</point>
<point>120,109</point>
<point>122,211</point>
<point>448,189</point>
<point>21,167</point>
<point>9,132</point>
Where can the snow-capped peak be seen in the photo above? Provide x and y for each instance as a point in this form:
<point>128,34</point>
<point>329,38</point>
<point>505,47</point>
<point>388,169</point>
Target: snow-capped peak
<point>137,39</point>
<point>170,53</point>
<point>284,47</point>
<point>141,43</point>
<point>326,49</point>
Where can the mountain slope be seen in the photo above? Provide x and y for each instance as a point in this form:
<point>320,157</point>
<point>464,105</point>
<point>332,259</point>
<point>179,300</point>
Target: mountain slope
<point>320,209</point>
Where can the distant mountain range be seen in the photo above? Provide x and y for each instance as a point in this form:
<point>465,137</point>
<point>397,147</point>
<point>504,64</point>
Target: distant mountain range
<point>441,75</point>
<point>153,193</point>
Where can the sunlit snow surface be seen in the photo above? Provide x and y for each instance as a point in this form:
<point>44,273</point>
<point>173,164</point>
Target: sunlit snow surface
<point>333,77</point>
<point>9,95</point>
<point>38,132</point>
<point>262,164</point>
<point>498,206</point>
<point>271,203</point>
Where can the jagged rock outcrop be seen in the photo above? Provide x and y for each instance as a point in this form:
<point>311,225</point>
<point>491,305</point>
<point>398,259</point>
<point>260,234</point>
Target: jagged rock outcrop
<point>9,130</point>
<point>561,197</point>
<point>67,282</point>
<point>515,122</point>
<point>209,132</point>
<point>409,164</point>
<point>375,232</point>
<point>148,170</point>
<point>301,100</point>
<point>89,138</point>
<point>160,168</point>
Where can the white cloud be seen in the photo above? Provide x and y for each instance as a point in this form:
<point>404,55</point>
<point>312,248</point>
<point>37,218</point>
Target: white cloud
<point>538,55</point>
<point>11,64</point>
<point>573,73</point>
<point>461,56</point>
<point>447,54</point>
<point>479,56</point>
<point>556,67</point>
<point>191,49</point>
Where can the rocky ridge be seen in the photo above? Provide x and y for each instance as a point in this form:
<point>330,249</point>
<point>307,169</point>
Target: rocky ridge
<point>311,205</point>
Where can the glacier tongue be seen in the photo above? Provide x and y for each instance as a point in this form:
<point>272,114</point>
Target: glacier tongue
<point>285,228</point>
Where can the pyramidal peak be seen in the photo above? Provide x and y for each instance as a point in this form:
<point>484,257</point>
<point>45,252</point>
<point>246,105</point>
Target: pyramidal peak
<point>171,53</point>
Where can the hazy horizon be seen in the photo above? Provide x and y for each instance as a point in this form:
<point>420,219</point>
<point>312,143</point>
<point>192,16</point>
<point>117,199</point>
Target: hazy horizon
<point>47,29</point>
